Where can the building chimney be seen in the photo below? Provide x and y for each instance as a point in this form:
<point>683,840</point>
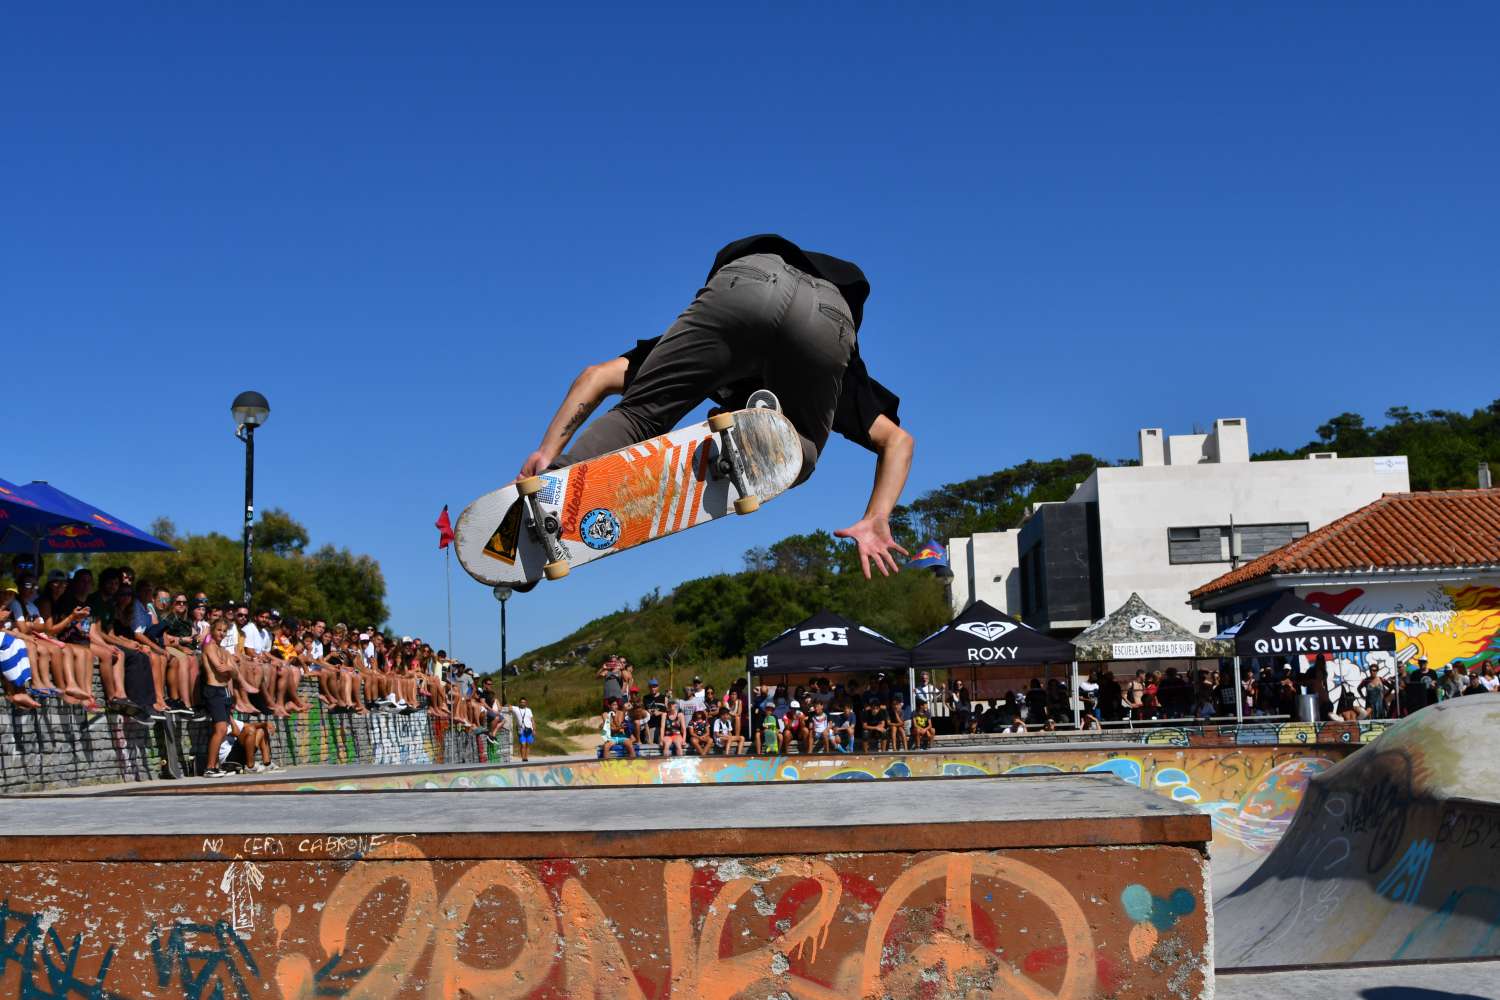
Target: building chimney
<point>1153,449</point>
<point>1484,475</point>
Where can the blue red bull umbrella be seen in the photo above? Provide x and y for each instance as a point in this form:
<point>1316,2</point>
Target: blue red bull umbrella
<point>929,555</point>
<point>41,518</point>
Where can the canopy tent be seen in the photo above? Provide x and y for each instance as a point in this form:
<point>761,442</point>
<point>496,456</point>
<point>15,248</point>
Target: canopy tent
<point>1137,631</point>
<point>828,643</point>
<point>984,636</point>
<point>40,518</point>
<point>1290,626</point>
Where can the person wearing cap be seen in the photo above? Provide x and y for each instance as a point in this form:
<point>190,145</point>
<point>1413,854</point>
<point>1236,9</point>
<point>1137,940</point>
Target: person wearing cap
<point>654,703</point>
<point>767,729</point>
<point>796,735</point>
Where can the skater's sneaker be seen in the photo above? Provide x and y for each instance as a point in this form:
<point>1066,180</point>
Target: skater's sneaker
<point>214,772</point>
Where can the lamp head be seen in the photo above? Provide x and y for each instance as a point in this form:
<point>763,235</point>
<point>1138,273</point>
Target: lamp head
<point>502,593</point>
<point>250,409</point>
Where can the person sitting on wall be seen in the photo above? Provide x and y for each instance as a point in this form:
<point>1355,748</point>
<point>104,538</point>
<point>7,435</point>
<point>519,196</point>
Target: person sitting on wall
<point>15,662</point>
<point>821,728</point>
<point>614,731</point>
<point>922,730</point>
<point>767,729</point>
<point>673,731</point>
<point>726,733</point>
<point>896,716</point>
<point>876,727</point>
<point>841,725</point>
<point>698,734</point>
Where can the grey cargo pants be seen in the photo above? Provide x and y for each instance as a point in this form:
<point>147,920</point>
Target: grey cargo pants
<point>758,318</point>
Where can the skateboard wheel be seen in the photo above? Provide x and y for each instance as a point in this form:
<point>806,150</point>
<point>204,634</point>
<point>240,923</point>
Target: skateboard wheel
<point>763,399</point>
<point>556,570</point>
<point>530,485</point>
<point>720,422</point>
<point>747,505</point>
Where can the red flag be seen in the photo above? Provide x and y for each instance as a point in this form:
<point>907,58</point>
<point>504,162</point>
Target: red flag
<point>445,529</point>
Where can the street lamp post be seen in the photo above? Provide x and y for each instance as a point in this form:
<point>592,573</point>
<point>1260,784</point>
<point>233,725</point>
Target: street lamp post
<point>250,411</point>
<point>502,594</point>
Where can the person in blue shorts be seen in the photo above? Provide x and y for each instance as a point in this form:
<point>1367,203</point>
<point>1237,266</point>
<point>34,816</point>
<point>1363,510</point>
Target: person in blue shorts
<point>525,728</point>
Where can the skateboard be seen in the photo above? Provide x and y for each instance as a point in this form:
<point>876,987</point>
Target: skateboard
<point>546,525</point>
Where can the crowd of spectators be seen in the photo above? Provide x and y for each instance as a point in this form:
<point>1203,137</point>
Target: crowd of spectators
<point>158,652</point>
<point>820,717</point>
<point>853,714</point>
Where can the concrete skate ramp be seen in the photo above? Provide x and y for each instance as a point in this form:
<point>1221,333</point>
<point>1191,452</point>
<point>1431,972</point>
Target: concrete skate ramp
<point>1394,854</point>
<point>1250,791</point>
<point>1053,886</point>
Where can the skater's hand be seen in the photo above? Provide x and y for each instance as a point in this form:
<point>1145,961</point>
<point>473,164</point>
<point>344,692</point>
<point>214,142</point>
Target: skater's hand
<point>872,535</point>
<point>536,463</point>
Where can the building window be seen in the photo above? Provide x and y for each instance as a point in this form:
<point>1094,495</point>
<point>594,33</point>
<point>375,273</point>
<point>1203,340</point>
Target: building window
<point>1219,543</point>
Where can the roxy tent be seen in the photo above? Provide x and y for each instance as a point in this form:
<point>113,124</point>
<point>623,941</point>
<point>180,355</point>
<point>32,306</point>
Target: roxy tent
<point>1290,626</point>
<point>983,636</point>
<point>828,643</point>
<point>1137,631</point>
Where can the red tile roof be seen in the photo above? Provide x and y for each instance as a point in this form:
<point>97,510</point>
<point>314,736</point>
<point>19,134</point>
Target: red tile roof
<point>1400,531</point>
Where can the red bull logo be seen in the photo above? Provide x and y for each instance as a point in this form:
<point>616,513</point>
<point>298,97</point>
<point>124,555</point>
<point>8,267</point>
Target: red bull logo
<point>70,531</point>
<point>928,553</point>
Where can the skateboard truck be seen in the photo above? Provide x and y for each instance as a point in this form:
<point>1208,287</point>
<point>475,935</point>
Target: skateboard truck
<point>544,527</point>
<point>732,462</point>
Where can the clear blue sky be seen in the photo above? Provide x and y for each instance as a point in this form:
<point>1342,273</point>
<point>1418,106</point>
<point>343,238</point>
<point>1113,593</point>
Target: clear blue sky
<point>409,226</point>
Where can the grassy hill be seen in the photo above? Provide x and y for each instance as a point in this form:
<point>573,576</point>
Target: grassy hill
<point>707,626</point>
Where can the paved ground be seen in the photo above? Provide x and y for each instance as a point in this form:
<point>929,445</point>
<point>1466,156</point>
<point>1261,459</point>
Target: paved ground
<point>1434,981</point>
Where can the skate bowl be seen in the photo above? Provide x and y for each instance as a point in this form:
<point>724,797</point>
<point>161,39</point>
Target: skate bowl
<point>1048,886</point>
<point>1249,792</point>
<point>1394,854</point>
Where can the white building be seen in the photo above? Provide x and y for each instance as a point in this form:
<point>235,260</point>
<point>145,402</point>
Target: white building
<point>1194,508</point>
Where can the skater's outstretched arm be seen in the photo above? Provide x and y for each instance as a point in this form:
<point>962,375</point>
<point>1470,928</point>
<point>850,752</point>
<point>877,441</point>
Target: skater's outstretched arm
<point>872,533</point>
<point>592,386</point>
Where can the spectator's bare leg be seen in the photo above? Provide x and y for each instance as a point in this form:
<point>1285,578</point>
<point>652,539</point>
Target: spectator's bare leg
<point>159,679</point>
<point>214,741</point>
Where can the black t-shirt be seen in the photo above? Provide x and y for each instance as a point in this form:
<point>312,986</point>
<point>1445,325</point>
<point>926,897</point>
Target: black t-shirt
<point>862,399</point>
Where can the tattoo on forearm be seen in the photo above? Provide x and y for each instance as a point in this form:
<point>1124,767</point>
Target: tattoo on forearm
<point>578,417</point>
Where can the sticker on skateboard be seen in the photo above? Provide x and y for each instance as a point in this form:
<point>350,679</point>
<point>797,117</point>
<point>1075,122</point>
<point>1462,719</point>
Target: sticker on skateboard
<point>547,524</point>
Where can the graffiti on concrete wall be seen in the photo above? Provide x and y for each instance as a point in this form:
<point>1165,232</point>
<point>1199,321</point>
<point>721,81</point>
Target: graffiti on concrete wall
<point>1444,624</point>
<point>1029,923</point>
<point>401,739</point>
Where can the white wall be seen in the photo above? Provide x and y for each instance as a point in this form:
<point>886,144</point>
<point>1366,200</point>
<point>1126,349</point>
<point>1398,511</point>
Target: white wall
<point>977,562</point>
<point>1138,504</point>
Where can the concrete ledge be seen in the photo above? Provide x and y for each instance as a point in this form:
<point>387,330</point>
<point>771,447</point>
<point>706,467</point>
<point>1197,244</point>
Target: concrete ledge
<point>948,813</point>
<point>883,889</point>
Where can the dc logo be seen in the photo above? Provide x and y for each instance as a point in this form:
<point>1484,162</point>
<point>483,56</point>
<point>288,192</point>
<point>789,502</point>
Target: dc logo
<point>1145,623</point>
<point>835,636</point>
<point>599,529</point>
<point>761,662</point>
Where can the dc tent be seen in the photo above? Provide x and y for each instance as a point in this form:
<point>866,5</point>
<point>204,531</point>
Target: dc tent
<point>983,636</point>
<point>828,643</point>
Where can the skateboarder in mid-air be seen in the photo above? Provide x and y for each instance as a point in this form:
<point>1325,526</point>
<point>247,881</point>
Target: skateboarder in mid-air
<point>770,316</point>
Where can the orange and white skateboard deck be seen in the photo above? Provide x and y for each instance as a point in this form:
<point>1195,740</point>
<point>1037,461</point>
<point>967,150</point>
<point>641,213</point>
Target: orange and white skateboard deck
<point>614,502</point>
